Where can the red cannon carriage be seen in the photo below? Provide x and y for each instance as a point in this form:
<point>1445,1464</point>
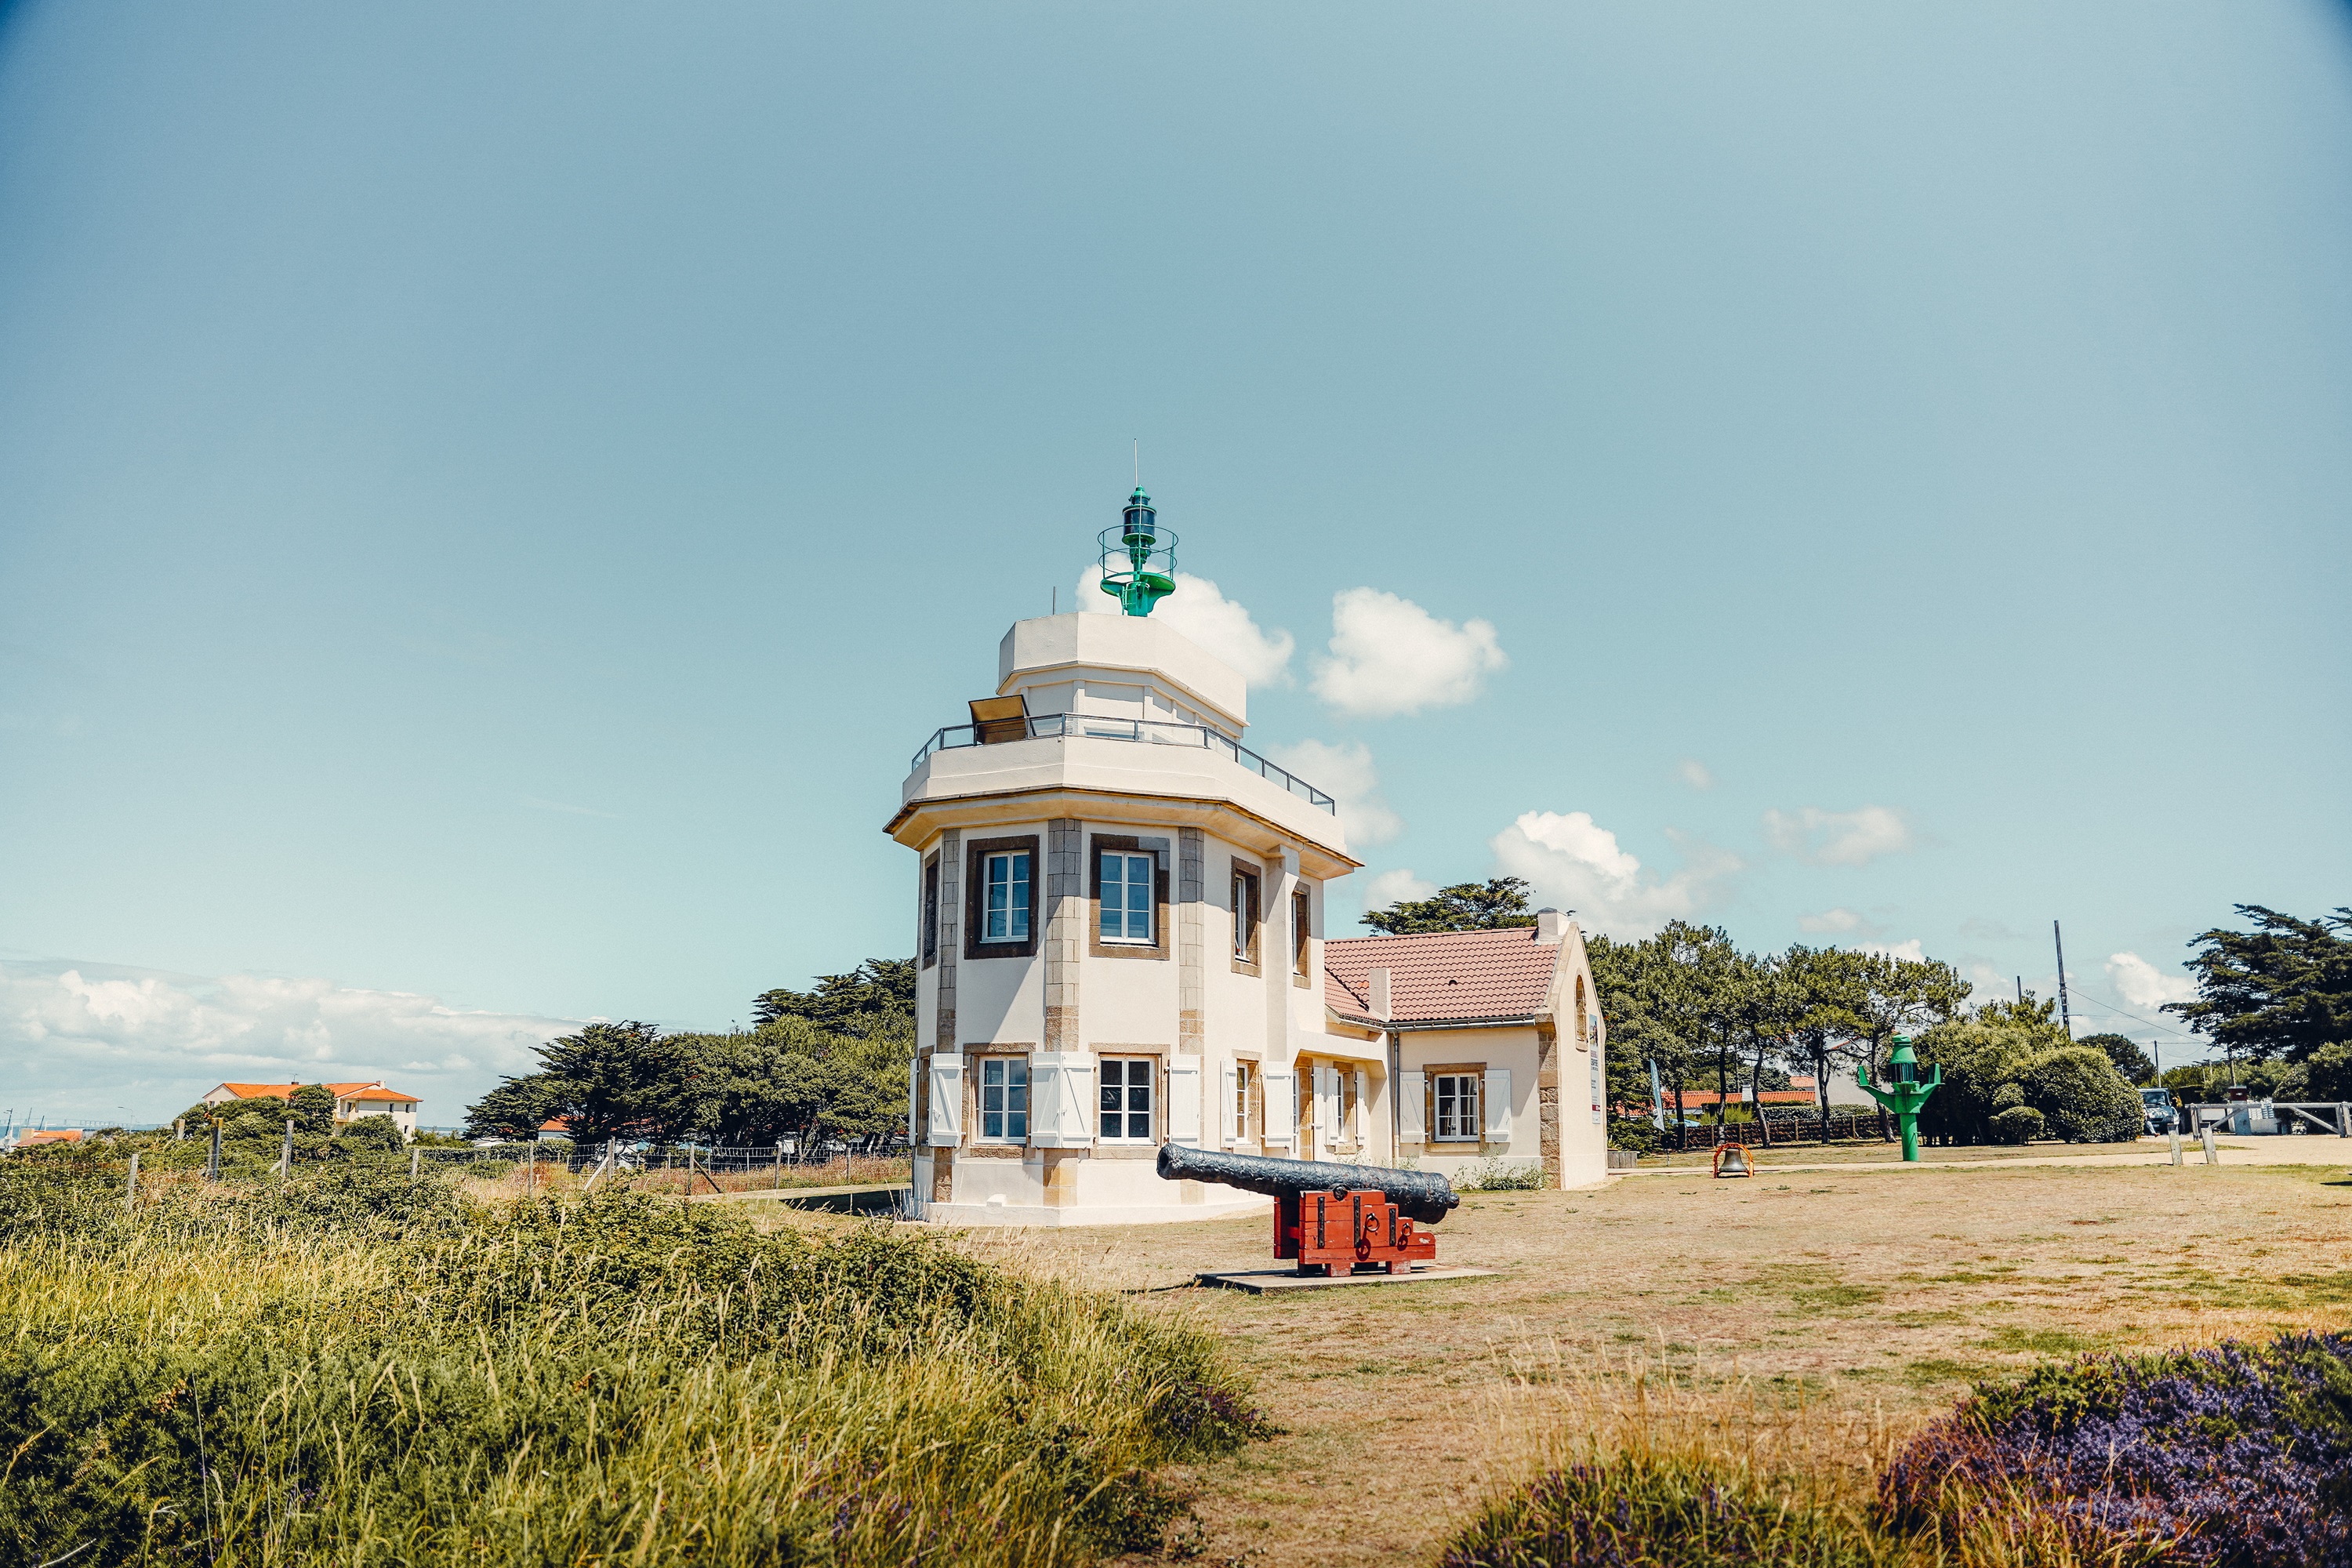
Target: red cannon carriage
<point>1334,1219</point>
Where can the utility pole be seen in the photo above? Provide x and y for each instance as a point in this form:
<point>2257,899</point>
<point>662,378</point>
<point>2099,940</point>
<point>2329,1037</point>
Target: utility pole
<point>2064,1017</point>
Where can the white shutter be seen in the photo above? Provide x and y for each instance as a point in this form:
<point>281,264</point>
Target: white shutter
<point>1233,1082</point>
<point>1184,1102</point>
<point>1062,1099</point>
<point>1281,1107</point>
<point>947,1099</point>
<point>1327,1111</point>
<point>1412,1104</point>
<point>1496,1093</point>
<point>1045,1101</point>
<point>1355,1128</point>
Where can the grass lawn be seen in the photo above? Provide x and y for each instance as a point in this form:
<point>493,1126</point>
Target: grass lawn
<point>1864,1301</point>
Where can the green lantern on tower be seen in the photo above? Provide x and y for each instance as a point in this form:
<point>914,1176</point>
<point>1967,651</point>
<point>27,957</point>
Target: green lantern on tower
<point>1138,557</point>
<point>1905,1095</point>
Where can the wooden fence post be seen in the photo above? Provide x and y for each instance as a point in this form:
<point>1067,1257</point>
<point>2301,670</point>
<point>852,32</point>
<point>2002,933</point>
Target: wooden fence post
<point>130,1188</point>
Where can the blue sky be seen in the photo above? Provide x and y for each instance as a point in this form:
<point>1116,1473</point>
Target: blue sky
<point>494,495</point>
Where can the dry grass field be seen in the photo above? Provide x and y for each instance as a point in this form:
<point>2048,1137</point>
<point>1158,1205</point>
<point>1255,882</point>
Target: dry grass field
<point>1832,1310</point>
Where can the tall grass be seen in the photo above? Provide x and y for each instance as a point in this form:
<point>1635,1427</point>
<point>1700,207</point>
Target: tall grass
<point>1644,1468</point>
<point>1640,1466</point>
<point>355,1369</point>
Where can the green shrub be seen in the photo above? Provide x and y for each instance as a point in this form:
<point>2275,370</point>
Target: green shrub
<point>253,1127</point>
<point>371,1133</point>
<point>1494,1176</point>
<point>2018,1124</point>
<point>313,1108</point>
<point>2328,1073</point>
<point>1638,1133</point>
<point>1982,1065</point>
<point>2081,1097</point>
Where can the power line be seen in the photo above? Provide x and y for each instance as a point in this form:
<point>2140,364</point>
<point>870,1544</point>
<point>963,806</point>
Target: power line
<point>2149,1022</point>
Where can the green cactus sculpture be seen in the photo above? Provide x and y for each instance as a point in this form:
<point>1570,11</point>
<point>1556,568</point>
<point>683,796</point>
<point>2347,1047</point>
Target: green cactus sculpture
<point>1905,1095</point>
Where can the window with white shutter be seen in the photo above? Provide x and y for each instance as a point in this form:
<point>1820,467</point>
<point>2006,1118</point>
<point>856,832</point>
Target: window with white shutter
<point>1413,1098</point>
<point>1453,1106</point>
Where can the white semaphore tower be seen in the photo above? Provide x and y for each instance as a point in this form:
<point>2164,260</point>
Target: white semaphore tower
<point>1120,912</point>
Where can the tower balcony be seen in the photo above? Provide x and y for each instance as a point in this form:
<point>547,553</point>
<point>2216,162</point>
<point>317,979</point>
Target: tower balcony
<point>1163,769</point>
<point>1142,732</point>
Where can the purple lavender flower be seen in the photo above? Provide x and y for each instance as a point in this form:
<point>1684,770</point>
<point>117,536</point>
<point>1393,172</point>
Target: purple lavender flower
<point>2236,1457</point>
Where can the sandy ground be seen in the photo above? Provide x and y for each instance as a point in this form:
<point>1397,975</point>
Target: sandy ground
<point>1867,1298</point>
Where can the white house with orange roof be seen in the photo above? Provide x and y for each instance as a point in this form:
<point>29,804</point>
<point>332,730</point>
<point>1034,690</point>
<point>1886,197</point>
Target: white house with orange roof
<point>352,1101</point>
<point>1494,1040</point>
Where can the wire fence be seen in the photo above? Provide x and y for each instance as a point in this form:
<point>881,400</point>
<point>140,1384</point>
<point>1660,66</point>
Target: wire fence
<point>677,1167</point>
<point>1785,1125</point>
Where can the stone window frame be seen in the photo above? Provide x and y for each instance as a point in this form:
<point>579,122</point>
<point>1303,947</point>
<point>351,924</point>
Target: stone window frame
<point>975,896</point>
<point>1477,1073</point>
<point>1350,1135</point>
<point>931,941</point>
<point>1249,875</point>
<point>1158,1057</point>
<point>979,1056</point>
<point>1249,1110</point>
<point>1159,948</point>
<point>1302,936</point>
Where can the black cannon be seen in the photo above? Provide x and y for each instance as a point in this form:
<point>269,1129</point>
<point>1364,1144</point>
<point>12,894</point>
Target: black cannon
<point>1332,1218</point>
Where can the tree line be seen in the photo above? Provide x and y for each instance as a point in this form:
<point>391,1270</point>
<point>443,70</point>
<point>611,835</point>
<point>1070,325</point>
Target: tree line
<point>2277,999</point>
<point>828,1062</point>
<point>1707,1014</point>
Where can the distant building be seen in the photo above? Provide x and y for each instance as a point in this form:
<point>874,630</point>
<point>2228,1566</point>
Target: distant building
<point>352,1101</point>
<point>47,1135</point>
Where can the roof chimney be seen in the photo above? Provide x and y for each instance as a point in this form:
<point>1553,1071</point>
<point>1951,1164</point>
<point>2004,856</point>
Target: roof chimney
<point>1551,927</point>
<point>1377,988</point>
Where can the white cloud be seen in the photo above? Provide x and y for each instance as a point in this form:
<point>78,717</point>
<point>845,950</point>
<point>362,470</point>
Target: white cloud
<point>1987,983</point>
<point>1911,950</point>
<point>1197,610</point>
<point>1575,864</point>
<point>1839,921</point>
<point>1346,774</point>
<point>2143,984</point>
<point>1839,837</point>
<point>1694,774</point>
<point>1390,657</point>
<point>1395,886</point>
<point>136,1045</point>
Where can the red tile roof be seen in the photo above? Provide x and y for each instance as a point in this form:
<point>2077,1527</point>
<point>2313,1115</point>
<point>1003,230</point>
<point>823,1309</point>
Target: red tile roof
<point>1455,976</point>
<point>366,1089</point>
<point>261,1090</point>
<point>50,1135</point>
